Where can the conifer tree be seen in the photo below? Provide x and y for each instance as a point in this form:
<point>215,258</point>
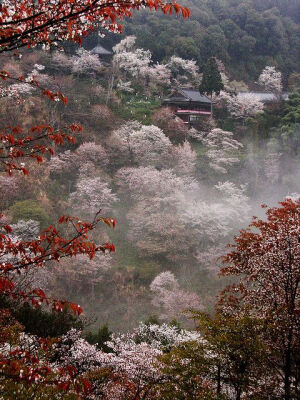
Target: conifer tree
<point>211,80</point>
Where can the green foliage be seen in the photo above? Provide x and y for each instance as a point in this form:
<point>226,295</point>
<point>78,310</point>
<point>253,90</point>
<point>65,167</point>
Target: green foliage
<point>139,108</point>
<point>236,341</point>
<point>291,113</point>
<point>231,354</point>
<point>146,271</point>
<point>152,320</point>
<point>99,338</point>
<point>40,322</point>
<point>29,209</point>
<point>211,80</point>
<point>246,35</point>
<point>187,367</point>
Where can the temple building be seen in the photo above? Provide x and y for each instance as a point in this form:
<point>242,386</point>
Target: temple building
<point>190,105</point>
<point>103,54</point>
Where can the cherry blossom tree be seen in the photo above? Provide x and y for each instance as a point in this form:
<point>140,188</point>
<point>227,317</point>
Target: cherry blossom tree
<point>271,80</point>
<point>125,86</point>
<point>159,75</point>
<point>242,105</point>
<point>163,336</point>
<point>155,226</point>
<point>10,189</point>
<point>85,62</point>
<point>130,369</point>
<point>184,159</point>
<point>91,195</point>
<point>222,149</point>
<point>214,220</point>
<point>133,61</point>
<point>24,87</point>
<point>125,45</point>
<point>183,70</point>
<point>265,260</point>
<point>26,230</point>
<point>87,153</point>
<point>93,153</point>
<point>170,299</point>
<point>146,145</point>
<point>137,63</point>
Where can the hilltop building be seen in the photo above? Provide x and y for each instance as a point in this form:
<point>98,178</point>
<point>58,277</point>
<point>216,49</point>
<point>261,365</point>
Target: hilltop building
<point>190,105</point>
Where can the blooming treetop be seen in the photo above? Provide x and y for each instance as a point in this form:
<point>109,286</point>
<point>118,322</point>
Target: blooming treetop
<point>221,149</point>
<point>137,62</point>
<point>169,298</point>
<point>148,145</point>
<point>125,45</point>
<point>163,336</point>
<point>154,223</point>
<point>87,153</point>
<point>133,366</point>
<point>242,105</point>
<point>182,69</point>
<point>216,219</point>
<point>133,62</point>
<point>91,195</point>
<point>271,80</point>
<point>185,159</point>
<point>85,61</point>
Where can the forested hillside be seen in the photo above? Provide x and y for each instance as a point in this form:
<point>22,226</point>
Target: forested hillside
<point>117,209</point>
<point>245,34</point>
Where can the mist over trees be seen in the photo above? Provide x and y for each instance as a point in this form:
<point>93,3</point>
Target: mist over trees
<point>134,293</point>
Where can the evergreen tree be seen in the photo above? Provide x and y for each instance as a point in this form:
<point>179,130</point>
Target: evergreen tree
<point>211,80</point>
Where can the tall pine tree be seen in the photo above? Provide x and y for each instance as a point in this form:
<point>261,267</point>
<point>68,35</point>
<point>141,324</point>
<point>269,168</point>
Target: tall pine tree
<point>211,80</point>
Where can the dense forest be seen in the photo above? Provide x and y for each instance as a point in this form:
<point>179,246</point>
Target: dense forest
<point>112,201</point>
<point>245,34</point>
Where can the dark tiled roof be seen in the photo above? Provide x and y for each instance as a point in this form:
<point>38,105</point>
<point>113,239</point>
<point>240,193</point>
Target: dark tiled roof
<point>100,50</point>
<point>187,95</point>
<point>195,95</point>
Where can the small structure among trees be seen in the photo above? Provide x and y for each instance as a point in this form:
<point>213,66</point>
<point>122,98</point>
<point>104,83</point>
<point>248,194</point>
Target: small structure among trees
<point>190,105</point>
<point>101,51</point>
<point>103,54</point>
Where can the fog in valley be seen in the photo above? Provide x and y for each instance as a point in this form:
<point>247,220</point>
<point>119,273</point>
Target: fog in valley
<point>131,168</point>
<point>179,191</point>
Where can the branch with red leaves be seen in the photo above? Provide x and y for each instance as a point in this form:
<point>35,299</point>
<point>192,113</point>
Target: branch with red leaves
<point>32,81</point>
<point>29,23</point>
<point>23,367</point>
<point>17,145</point>
<point>16,256</point>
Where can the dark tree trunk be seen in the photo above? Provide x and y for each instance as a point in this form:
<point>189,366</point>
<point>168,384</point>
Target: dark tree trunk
<point>238,394</point>
<point>219,380</point>
<point>287,375</point>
